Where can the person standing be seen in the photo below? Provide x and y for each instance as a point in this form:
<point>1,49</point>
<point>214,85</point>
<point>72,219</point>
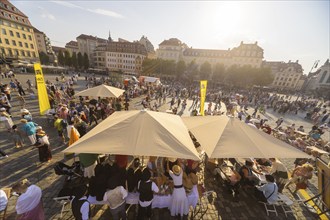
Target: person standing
<point>20,88</point>
<point>6,119</point>
<point>146,188</point>
<point>45,154</point>
<point>30,130</point>
<point>280,172</point>
<point>179,201</point>
<point>115,197</point>
<point>58,124</point>
<point>80,205</point>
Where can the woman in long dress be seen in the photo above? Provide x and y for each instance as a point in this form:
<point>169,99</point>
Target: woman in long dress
<point>179,202</point>
<point>45,154</point>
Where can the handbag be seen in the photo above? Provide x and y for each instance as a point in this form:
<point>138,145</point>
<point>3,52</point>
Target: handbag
<point>301,185</point>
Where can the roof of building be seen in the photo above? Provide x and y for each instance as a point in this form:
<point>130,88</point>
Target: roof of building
<point>171,42</point>
<point>72,44</point>
<point>123,47</point>
<point>11,13</point>
<point>35,30</point>
<point>90,37</point>
<point>57,49</point>
<point>280,66</point>
<point>243,46</point>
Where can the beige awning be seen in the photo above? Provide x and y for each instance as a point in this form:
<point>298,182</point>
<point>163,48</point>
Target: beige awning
<point>102,91</point>
<point>224,137</point>
<point>138,133</point>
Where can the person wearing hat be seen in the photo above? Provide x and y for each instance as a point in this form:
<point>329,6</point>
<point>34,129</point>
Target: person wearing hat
<point>80,205</point>
<point>179,202</point>
<point>6,118</point>
<point>45,154</point>
<point>146,188</point>
<point>268,192</point>
<point>115,197</point>
<point>29,128</point>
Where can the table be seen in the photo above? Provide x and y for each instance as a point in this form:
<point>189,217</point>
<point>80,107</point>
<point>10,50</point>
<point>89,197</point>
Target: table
<point>159,201</point>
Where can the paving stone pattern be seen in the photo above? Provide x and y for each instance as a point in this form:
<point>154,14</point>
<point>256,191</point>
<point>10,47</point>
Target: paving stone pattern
<point>24,163</point>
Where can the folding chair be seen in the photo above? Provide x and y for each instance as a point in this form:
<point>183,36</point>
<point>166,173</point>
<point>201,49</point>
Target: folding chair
<point>206,200</point>
<point>63,201</point>
<point>269,207</point>
<point>286,203</point>
<point>3,212</point>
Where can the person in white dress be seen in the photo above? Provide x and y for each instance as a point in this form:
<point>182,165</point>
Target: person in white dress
<point>179,202</point>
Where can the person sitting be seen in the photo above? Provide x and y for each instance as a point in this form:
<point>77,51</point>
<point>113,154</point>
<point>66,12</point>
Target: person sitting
<point>115,197</point>
<point>80,205</point>
<point>29,204</point>
<point>268,192</point>
<point>248,179</point>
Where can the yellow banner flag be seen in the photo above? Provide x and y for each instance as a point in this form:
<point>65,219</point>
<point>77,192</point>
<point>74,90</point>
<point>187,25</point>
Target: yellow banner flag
<point>203,95</point>
<point>42,91</point>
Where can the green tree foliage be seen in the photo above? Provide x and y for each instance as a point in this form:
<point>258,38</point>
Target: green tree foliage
<point>80,60</point>
<point>180,68</point>
<point>67,58</point>
<point>86,61</point>
<point>74,61</point>
<point>151,66</point>
<point>192,70</point>
<point>167,67</point>
<point>219,73</point>
<point>247,76</point>
<point>44,58</point>
<point>205,70</point>
<point>60,58</point>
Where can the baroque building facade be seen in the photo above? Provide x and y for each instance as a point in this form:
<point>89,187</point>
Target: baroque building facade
<point>286,75</point>
<point>244,54</point>
<point>17,39</point>
<point>123,56</point>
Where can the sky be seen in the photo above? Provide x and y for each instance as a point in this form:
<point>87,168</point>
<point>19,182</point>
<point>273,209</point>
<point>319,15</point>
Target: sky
<point>286,30</point>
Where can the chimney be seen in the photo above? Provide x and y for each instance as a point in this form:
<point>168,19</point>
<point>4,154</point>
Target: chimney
<point>256,43</point>
<point>289,61</point>
<point>297,61</point>
<point>241,42</point>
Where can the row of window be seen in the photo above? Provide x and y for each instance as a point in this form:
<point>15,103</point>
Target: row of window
<point>19,43</point>
<point>286,79</point>
<point>14,52</point>
<point>14,18</point>
<point>283,84</point>
<point>18,35</point>
<point>14,25</point>
<point>122,66</point>
<point>121,55</point>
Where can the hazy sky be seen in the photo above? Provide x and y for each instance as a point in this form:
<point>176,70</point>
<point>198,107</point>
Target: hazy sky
<point>286,30</point>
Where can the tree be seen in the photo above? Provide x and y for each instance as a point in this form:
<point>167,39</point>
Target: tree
<point>192,70</point>
<point>74,61</point>
<point>67,58</point>
<point>263,76</point>
<point>205,70</point>
<point>80,60</point>
<point>60,58</point>
<point>219,73</point>
<point>44,58</point>
<point>180,68</point>
<point>86,61</point>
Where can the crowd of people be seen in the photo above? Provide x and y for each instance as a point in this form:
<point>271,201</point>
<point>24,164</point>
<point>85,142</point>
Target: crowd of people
<point>110,180</point>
